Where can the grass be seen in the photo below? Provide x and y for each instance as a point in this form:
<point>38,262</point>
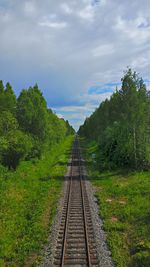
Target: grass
<point>124,204</point>
<point>28,199</point>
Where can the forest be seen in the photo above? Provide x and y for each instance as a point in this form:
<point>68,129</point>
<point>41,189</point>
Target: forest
<point>27,126</point>
<point>34,151</point>
<point>120,126</point>
<point>116,142</point>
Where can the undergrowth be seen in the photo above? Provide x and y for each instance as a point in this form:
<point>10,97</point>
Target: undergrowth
<point>123,198</point>
<point>28,199</point>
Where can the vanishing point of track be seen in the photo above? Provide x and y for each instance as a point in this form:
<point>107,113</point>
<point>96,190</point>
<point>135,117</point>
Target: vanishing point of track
<point>76,243</point>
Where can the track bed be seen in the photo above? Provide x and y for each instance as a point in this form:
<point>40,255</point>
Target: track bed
<point>76,243</point>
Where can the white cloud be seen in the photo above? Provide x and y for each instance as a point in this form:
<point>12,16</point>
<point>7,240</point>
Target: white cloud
<point>131,29</point>
<point>66,8</point>
<point>87,13</point>
<point>103,50</point>
<point>74,109</point>
<point>30,8</point>
<point>60,116</point>
<point>56,25</point>
<point>77,114</point>
<point>67,46</point>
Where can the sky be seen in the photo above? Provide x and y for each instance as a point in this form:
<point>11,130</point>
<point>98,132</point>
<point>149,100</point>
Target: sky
<point>75,50</point>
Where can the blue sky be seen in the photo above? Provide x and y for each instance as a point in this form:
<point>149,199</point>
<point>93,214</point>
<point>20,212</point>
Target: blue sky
<point>76,50</point>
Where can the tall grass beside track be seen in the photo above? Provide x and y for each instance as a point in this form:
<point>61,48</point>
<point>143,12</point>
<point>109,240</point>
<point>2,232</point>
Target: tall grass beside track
<point>124,205</point>
<point>28,199</point>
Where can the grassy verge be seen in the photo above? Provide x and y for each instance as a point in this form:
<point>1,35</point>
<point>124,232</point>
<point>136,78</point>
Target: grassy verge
<point>124,202</point>
<point>28,199</point>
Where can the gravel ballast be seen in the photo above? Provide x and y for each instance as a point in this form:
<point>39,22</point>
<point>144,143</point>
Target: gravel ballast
<point>100,236</point>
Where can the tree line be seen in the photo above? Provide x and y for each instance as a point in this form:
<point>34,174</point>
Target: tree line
<point>121,126</point>
<point>27,126</point>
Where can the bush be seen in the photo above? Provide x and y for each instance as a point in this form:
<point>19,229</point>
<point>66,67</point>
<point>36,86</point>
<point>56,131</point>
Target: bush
<point>140,259</point>
<point>16,146</point>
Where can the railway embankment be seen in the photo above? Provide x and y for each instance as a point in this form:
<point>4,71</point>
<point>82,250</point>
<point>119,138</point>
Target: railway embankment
<point>77,237</point>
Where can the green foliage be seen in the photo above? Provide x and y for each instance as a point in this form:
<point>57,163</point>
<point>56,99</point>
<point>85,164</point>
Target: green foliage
<point>7,98</point>
<point>7,122</point>
<point>17,147</point>
<point>32,112</point>
<point>125,211</point>
<point>123,199</point>
<point>70,129</point>
<point>56,128</point>
<point>28,200</point>
<point>141,259</point>
<point>121,126</point>
<point>14,144</point>
<point>10,99</point>
<point>27,127</point>
<point>1,87</point>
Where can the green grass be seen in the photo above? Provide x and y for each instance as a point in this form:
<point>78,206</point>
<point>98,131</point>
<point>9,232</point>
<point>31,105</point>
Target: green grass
<point>28,199</point>
<point>124,204</point>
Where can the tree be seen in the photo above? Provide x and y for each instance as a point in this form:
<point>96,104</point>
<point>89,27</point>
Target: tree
<point>32,112</point>
<point>7,98</point>
<point>1,95</point>
<point>10,99</point>
<point>7,122</point>
<point>1,87</point>
<point>27,128</point>
<point>70,129</point>
<point>17,147</point>
<point>14,144</point>
<point>121,125</point>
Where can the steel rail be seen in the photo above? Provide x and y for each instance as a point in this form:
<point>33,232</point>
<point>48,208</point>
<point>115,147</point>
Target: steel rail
<point>67,216</point>
<point>84,212</point>
<point>76,154</point>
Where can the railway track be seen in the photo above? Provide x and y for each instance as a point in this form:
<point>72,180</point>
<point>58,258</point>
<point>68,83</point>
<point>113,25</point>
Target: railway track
<point>76,243</point>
